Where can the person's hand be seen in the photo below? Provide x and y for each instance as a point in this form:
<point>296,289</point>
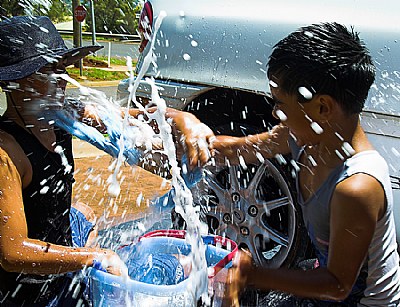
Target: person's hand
<point>196,138</point>
<point>242,265</point>
<point>111,262</point>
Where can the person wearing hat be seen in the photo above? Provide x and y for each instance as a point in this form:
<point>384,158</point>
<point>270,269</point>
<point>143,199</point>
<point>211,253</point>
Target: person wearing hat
<point>36,167</point>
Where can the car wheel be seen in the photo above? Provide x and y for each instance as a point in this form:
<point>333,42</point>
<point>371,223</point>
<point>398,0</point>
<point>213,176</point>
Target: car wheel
<point>255,207</point>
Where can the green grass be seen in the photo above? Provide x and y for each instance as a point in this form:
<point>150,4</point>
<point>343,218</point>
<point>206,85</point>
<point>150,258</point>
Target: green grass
<point>95,74</point>
<point>89,37</point>
<point>113,60</point>
<point>98,74</point>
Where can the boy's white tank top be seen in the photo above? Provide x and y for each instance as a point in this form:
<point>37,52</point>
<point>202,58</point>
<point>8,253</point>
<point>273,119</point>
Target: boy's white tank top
<point>380,275</point>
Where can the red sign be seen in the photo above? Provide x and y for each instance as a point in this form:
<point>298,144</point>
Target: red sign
<point>80,13</point>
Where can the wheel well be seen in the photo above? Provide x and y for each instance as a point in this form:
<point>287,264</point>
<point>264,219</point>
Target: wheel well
<point>233,112</point>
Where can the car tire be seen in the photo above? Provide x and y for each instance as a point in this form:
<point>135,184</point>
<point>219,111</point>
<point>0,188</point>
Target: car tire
<point>254,205</point>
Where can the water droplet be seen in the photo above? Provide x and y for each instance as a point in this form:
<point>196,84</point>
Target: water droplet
<point>114,189</point>
<point>273,84</point>
<point>305,92</point>
<point>44,29</point>
<point>385,74</point>
<point>339,136</point>
<point>282,116</point>
<point>348,149</point>
<point>294,164</point>
<point>395,152</point>
<point>194,43</point>
<point>281,159</point>
<point>312,160</point>
<point>242,162</point>
<point>44,190</point>
<point>186,57</point>
<point>339,154</point>
<point>260,157</point>
<point>309,34</point>
<point>139,199</point>
<point>317,128</point>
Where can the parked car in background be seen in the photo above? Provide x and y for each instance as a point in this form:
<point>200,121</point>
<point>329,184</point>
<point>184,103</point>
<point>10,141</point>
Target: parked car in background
<point>211,61</point>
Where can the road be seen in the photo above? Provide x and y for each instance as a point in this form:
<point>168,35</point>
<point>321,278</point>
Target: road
<point>118,49</point>
<point>110,91</point>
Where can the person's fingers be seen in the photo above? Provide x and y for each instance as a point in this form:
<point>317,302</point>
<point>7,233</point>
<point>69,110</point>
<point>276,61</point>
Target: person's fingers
<point>198,144</point>
<point>192,150</point>
<point>114,270</point>
<point>210,140</point>
<point>203,151</point>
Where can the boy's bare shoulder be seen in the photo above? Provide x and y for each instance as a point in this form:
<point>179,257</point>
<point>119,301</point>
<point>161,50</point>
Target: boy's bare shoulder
<point>360,192</point>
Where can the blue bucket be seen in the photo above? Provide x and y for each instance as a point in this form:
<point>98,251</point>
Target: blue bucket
<point>162,283</point>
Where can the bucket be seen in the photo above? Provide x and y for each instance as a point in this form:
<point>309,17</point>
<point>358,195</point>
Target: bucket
<point>150,287</point>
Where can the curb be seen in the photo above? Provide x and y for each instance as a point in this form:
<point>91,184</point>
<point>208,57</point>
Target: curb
<point>95,83</point>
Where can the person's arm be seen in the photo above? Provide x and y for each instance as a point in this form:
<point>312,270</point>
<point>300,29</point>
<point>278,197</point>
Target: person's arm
<point>252,148</point>
<point>18,253</point>
<point>357,205</point>
<point>195,136</point>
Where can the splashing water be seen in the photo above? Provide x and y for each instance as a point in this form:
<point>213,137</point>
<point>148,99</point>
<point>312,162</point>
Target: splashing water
<point>183,197</point>
<point>123,142</point>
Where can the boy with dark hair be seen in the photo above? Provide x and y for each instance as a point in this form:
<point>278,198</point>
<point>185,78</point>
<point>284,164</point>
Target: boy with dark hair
<point>320,76</point>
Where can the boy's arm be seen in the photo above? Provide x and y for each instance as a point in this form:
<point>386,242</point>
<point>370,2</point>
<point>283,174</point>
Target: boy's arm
<point>252,148</point>
<point>358,203</point>
<point>196,136</point>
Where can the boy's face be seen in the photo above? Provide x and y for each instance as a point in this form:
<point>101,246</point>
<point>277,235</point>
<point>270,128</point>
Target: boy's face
<point>298,117</point>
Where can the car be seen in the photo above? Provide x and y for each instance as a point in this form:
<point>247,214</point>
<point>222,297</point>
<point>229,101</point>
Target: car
<point>211,61</point>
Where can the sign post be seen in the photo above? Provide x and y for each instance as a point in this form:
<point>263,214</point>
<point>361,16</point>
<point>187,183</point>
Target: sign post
<point>80,15</point>
<point>93,23</point>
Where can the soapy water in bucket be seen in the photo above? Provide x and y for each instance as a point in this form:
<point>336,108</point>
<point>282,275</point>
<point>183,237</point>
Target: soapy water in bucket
<point>130,140</point>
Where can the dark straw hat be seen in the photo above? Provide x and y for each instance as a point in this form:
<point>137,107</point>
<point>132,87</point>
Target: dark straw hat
<point>28,43</point>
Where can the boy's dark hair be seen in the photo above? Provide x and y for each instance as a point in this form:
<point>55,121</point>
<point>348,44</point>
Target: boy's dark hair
<point>326,59</point>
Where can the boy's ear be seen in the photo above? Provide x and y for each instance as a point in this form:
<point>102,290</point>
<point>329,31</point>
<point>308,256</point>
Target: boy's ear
<point>327,105</point>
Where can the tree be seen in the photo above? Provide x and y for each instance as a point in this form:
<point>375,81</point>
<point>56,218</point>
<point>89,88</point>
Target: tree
<point>114,16</point>
<point>56,10</point>
<point>12,8</point>
<point>59,11</point>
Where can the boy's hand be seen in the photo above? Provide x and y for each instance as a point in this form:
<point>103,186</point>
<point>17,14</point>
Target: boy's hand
<point>109,261</point>
<point>196,138</point>
<point>237,278</point>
